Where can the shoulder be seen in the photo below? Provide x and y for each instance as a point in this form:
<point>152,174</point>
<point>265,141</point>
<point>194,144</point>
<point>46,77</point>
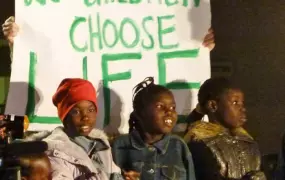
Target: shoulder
<point>38,136</point>
<point>173,138</point>
<point>201,131</point>
<point>122,140</point>
<point>98,134</point>
<point>178,142</point>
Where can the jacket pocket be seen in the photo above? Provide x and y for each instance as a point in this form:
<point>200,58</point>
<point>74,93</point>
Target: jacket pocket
<point>173,173</point>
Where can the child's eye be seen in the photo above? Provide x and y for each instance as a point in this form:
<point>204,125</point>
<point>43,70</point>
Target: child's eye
<point>91,109</point>
<point>75,112</point>
<point>235,103</point>
<point>158,106</point>
<point>172,108</point>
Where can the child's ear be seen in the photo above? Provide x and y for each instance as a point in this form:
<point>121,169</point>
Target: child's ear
<point>212,106</point>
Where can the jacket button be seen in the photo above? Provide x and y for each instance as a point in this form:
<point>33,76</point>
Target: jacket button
<point>151,171</point>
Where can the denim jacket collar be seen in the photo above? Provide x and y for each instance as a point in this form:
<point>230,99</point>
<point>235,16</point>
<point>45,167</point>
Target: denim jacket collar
<point>138,143</point>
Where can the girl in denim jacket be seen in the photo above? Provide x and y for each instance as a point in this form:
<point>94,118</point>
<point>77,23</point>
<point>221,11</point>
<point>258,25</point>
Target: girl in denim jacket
<point>149,151</point>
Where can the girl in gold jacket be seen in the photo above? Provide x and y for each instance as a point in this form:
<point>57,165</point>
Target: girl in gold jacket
<point>221,148</point>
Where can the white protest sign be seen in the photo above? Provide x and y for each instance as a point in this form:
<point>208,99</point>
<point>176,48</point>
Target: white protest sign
<point>113,44</point>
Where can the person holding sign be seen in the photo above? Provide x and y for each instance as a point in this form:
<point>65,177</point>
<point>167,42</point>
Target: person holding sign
<point>10,30</point>
<point>77,150</point>
<point>221,148</point>
<point>149,151</point>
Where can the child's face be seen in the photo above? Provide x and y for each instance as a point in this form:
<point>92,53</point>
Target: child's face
<point>160,116</point>
<point>82,118</point>
<point>231,111</point>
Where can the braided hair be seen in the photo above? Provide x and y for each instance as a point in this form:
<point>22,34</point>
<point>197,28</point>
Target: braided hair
<point>212,89</point>
<point>144,94</point>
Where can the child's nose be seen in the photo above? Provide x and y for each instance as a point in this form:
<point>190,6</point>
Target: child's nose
<point>169,111</point>
<point>85,116</point>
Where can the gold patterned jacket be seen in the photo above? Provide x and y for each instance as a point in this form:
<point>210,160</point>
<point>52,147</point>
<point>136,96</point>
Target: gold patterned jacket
<point>219,154</point>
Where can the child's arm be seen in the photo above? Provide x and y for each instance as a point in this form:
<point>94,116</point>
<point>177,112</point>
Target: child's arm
<point>191,170</point>
<point>119,159</point>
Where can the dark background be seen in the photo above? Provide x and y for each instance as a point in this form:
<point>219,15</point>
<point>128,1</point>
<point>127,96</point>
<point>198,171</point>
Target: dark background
<point>250,36</point>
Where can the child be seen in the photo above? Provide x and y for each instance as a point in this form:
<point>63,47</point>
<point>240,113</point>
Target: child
<point>35,167</point>
<point>78,151</point>
<point>26,167</point>
<point>221,148</point>
<point>149,151</point>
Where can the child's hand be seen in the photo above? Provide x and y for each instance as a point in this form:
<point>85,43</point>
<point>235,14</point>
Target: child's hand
<point>2,130</point>
<point>131,175</point>
<point>10,29</point>
<point>209,40</point>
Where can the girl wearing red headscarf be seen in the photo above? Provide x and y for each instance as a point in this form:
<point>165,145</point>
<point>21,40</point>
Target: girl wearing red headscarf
<point>78,150</point>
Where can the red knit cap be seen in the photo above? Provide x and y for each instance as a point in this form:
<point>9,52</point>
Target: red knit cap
<point>69,92</point>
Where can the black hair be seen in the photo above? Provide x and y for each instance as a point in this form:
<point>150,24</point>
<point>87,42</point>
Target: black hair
<point>144,94</point>
<point>213,88</point>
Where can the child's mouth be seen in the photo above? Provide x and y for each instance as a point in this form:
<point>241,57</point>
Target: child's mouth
<point>85,128</point>
<point>168,122</point>
<point>243,119</point>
